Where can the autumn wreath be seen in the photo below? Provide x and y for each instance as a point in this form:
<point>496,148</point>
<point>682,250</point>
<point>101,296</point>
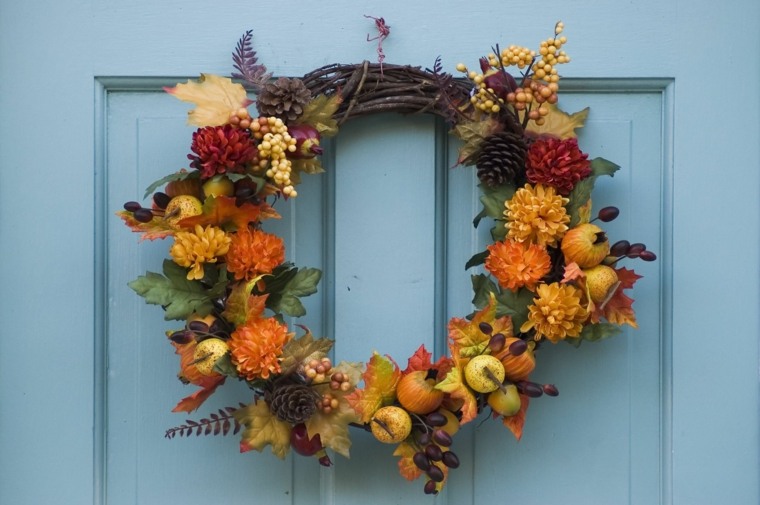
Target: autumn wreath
<point>551,271</point>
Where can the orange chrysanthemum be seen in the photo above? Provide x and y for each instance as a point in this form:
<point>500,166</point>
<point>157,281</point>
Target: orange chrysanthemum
<point>536,214</point>
<point>517,264</point>
<point>253,253</point>
<point>256,347</point>
<point>556,313</point>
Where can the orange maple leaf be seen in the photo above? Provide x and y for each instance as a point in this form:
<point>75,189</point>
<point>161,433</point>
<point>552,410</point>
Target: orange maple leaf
<point>466,336</point>
<point>152,230</point>
<point>619,308</point>
<point>189,373</point>
<point>572,272</point>
<point>516,422</point>
<point>380,380</point>
<point>420,360</point>
<point>222,210</point>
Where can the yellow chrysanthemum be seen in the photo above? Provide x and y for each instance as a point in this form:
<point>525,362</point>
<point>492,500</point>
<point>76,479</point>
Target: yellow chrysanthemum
<point>536,214</point>
<point>556,313</point>
<point>256,347</point>
<point>194,248</point>
<point>517,264</point>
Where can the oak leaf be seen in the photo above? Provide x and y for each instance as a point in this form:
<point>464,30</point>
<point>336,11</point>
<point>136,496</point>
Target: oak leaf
<point>262,428</point>
<point>380,380</point>
<point>559,123</point>
<point>214,97</point>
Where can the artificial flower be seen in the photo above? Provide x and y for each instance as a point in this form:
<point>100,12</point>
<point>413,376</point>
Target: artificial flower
<point>221,149</point>
<point>557,163</point>
<point>557,313</point>
<point>253,253</point>
<point>256,347</point>
<point>536,214</point>
<point>194,248</point>
<point>517,264</point>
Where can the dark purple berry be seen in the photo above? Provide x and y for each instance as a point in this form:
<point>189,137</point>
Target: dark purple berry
<point>421,460</point>
<point>530,388</point>
<point>435,473</point>
<point>161,199</point>
<point>423,438</point>
<point>607,214</point>
<point>485,328</point>
<point>440,437</point>
<point>434,452</point>
<point>181,337</point>
<point>551,390</point>
<point>518,347</point>
<point>450,459</point>
<point>436,419</point>
<point>430,487</point>
<point>647,256</point>
<point>143,215</point>
<point>198,326</point>
<point>635,250</point>
<point>132,206</point>
<point>496,343</point>
<point>620,248</point>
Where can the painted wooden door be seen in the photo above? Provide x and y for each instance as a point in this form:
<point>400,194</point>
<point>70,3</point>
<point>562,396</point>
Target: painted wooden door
<point>666,414</point>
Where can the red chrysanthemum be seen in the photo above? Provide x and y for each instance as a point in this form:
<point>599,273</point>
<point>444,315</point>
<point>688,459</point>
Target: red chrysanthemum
<point>221,149</point>
<point>557,163</point>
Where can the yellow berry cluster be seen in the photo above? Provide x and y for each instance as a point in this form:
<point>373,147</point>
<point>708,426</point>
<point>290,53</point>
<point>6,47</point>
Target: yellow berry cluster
<point>483,98</point>
<point>551,55</point>
<point>513,55</point>
<point>275,143</point>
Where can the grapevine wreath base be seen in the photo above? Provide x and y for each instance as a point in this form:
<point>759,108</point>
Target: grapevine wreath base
<point>551,273</point>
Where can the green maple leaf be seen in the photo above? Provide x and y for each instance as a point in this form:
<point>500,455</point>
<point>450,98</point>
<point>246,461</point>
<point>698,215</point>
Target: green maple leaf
<point>178,296</point>
<point>473,133</point>
<point>582,191</point>
<point>288,286</point>
<point>319,114</point>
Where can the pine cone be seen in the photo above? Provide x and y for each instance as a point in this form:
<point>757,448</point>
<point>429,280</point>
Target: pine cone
<point>284,98</point>
<point>501,159</point>
<point>293,403</point>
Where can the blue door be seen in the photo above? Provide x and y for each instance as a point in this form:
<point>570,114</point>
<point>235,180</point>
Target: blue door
<point>667,413</point>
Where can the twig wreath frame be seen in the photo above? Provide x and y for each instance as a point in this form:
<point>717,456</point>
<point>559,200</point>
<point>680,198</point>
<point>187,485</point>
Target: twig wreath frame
<point>550,272</point>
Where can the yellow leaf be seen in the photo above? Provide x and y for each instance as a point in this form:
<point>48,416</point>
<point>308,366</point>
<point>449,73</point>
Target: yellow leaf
<point>333,427</point>
<point>263,429</point>
<point>467,338</point>
<point>380,381</point>
<point>559,123</point>
<point>584,212</point>
<point>319,114</point>
<point>454,385</point>
<point>215,98</point>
